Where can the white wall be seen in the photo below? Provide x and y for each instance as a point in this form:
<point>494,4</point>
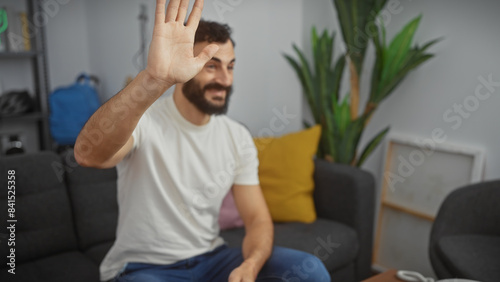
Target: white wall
<point>114,39</point>
<point>67,43</point>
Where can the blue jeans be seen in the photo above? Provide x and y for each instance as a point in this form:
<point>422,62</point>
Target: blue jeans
<point>283,265</point>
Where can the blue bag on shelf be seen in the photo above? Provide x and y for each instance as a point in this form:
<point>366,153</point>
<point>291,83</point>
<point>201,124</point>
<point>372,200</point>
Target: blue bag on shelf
<point>71,107</point>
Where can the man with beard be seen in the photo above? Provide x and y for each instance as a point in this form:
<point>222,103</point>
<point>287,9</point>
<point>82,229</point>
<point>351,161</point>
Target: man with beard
<point>177,158</point>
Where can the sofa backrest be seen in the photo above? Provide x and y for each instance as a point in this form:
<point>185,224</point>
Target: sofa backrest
<point>44,218</point>
<point>92,193</point>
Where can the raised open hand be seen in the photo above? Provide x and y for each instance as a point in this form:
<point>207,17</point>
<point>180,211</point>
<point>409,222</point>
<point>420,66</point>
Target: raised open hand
<point>171,58</point>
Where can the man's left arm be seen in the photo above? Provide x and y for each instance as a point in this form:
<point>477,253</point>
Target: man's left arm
<point>258,241</point>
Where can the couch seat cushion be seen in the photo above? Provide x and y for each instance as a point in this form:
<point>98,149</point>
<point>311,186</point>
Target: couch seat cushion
<point>92,193</point>
<point>473,256</point>
<point>44,216</point>
<point>98,252</point>
<point>71,266</point>
<point>334,243</point>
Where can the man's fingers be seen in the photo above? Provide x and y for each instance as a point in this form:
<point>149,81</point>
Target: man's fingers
<point>195,16</point>
<point>181,16</point>
<point>160,11</point>
<point>172,10</point>
<point>206,54</point>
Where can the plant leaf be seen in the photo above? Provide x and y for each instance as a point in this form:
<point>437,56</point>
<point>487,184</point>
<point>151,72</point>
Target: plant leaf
<point>372,145</point>
<point>377,67</point>
<point>353,16</point>
<point>307,91</point>
<point>4,21</point>
<point>402,60</point>
<point>348,143</point>
<point>308,77</point>
<point>343,115</point>
<point>330,135</point>
<point>385,92</point>
<point>429,44</point>
<point>322,70</point>
<point>398,49</point>
<point>336,79</point>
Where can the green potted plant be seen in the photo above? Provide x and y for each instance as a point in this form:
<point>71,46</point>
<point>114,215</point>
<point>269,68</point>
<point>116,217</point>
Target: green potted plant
<point>341,122</point>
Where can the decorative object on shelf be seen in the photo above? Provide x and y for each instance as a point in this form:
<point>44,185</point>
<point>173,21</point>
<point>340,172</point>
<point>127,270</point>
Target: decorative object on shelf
<point>25,29</point>
<point>4,23</point>
<point>339,116</point>
<point>15,146</point>
<point>71,107</point>
<point>17,32</point>
<point>15,103</point>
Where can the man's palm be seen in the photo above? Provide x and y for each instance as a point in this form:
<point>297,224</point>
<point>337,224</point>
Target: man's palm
<point>171,57</point>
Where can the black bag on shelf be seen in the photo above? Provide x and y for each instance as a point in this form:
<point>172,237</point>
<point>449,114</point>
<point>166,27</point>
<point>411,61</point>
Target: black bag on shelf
<point>16,103</point>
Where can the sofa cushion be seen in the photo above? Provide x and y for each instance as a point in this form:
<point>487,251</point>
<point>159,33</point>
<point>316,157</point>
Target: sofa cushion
<point>229,217</point>
<point>334,243</point>
<point>93,197</point>
<point>286,168</point>
<point>71,266</point>
<point>98,252</point>
<point>44,224</point>
<point>474,256</point>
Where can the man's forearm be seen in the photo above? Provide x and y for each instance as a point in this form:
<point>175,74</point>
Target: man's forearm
<point>110,127</point>
<point>258,244</point>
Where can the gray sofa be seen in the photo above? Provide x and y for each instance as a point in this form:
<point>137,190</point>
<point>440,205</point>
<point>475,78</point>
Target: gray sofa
<point>66,219</point>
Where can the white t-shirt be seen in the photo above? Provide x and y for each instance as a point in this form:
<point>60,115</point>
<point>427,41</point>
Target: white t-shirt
<point>171,186</point>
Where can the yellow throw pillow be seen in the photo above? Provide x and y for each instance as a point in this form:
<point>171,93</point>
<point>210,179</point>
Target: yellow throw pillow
<point>286,174</point>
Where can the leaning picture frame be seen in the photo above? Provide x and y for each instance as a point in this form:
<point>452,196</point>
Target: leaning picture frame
<point>417,175</point>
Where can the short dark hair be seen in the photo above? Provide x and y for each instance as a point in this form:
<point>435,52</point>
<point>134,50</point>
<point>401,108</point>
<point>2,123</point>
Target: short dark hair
<point>210,32</point>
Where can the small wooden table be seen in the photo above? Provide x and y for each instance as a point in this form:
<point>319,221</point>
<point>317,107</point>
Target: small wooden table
<point>387,276</point>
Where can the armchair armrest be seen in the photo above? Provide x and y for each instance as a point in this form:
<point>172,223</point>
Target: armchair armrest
<point>347,195</point>
<point>471,209</point>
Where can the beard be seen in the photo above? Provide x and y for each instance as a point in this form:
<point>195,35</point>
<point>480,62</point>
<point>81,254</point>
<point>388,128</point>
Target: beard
<point>195,94</point>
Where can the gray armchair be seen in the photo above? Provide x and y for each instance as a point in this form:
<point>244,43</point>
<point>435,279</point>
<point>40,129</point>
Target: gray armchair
<point>465,237</point>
